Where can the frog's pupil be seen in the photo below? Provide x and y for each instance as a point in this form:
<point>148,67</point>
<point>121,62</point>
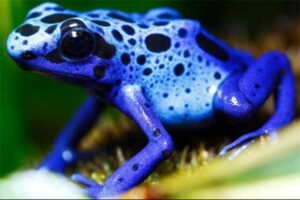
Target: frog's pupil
<point>77,44</point>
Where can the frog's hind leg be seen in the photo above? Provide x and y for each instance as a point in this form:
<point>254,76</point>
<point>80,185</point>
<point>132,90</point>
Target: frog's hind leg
<point>65,145</point>
<point>240,96</point>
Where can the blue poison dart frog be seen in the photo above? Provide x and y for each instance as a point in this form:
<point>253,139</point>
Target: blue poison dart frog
<point>158,69</point>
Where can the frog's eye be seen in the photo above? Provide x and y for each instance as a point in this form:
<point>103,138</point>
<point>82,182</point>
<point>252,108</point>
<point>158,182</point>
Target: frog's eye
<point>77,44</point>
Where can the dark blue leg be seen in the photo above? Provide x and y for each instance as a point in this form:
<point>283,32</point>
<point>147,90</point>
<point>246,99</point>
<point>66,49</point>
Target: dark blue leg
<point>63,150</point>
<point>132,102</point>
<point>242,95</point>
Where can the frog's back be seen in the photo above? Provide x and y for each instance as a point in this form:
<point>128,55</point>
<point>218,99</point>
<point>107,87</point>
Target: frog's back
<point>178,65</point>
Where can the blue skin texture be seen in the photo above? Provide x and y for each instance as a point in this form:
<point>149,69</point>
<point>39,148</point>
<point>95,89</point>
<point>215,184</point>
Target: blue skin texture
<point>158,69</point>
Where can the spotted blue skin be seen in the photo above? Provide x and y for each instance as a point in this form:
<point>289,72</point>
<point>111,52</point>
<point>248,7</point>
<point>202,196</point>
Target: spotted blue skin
<point>157,68</point>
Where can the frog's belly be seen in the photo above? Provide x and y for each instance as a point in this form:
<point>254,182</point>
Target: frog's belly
<point>190,105</point>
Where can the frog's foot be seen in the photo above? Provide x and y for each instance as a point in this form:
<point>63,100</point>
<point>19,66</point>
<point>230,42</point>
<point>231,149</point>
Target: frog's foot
<point>92,189</point>
<point>239,144</point>
<point>58,161</point>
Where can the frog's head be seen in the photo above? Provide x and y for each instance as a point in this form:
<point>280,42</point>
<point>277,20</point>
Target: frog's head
<point>64,44</point>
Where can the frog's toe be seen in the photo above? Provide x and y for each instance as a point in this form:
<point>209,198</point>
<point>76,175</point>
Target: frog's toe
<point>242,142</point>
<point>92,189</point>
<point>79,178</point>
<point>233,152</point>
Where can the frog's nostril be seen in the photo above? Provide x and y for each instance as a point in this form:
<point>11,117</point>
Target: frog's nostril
<point>28,55</point>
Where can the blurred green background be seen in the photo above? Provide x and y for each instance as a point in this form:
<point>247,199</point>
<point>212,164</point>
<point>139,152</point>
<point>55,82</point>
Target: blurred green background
<point>34,108</point>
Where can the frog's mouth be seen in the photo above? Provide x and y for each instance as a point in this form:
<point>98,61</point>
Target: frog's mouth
<point>68,79</point>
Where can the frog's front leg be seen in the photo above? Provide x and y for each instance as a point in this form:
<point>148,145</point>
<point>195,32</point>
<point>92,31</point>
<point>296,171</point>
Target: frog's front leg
<point>241,95</point>
<point>65,145</point>
<point>131,101</point>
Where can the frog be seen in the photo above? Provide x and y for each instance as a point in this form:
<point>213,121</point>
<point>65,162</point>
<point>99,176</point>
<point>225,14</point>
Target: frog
<point>159,69</point>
